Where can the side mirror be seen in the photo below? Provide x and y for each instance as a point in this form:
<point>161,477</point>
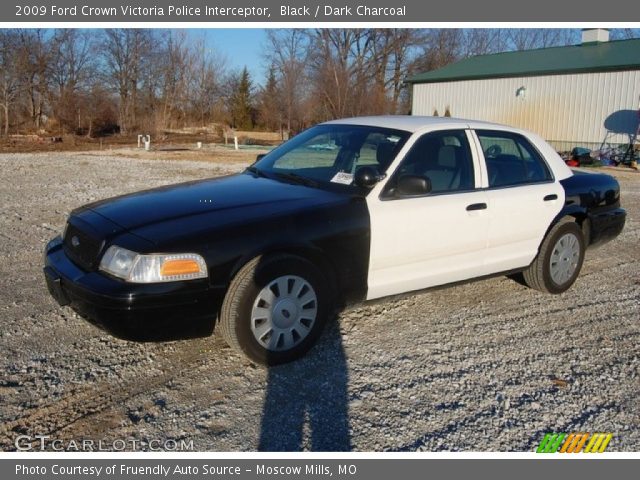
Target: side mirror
<point>413,185</point>
<point>260,156</point>
<point>367,177</point>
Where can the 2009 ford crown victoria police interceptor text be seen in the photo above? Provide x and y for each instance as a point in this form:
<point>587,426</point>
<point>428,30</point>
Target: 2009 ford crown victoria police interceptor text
<point>349,210</point>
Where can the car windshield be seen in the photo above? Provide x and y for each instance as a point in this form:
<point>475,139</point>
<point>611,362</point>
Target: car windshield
<point>330,155</point>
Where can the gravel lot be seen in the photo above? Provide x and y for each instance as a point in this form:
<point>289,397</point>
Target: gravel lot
<point>490,365</point>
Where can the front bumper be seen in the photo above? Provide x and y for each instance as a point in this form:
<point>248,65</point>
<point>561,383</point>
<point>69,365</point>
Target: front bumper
<point>133,311</point>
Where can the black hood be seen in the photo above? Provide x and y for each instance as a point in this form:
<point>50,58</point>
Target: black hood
<point>205,203</point>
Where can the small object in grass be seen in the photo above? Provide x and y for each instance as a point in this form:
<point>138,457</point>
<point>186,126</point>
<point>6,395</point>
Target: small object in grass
<point>560,383</point>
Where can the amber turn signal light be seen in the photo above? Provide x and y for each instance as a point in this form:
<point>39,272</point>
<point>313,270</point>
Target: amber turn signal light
<point>181,266</point>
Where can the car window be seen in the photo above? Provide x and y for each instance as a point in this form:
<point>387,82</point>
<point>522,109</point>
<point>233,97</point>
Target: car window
<point>318,151</point>
<point>327,150</point>
<point>334,153</point>
<point>444,157</point>
<point>511,159</point>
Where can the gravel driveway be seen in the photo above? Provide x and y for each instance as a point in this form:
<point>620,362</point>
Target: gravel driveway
<point>490,365</point>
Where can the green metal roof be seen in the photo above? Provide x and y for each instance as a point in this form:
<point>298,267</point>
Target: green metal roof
<point>590,57</point>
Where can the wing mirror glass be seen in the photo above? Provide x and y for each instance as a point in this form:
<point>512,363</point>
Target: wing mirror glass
<point>413,185</point>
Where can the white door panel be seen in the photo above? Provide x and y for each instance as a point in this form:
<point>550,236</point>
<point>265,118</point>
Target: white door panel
<point>518,220</point>
<point>422,242</point>
<point>519,216</point>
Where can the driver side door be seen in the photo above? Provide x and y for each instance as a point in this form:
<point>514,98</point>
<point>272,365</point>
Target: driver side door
<point>434,238</point>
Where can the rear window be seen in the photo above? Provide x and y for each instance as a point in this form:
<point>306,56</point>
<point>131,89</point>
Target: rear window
<point>511,159</point>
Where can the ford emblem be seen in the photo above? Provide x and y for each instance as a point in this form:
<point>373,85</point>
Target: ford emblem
<point>75,241</point>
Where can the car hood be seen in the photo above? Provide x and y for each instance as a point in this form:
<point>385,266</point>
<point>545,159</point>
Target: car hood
<point>203,198</point>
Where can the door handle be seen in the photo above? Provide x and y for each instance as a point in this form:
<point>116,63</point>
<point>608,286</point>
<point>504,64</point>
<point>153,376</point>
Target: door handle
<point>548,198</point>
<point>476,206</point>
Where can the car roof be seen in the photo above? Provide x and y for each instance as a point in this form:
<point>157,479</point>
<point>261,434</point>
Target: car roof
<point>414,123</point>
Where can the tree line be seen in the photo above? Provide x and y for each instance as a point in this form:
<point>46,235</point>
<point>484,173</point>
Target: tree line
<point>97,82</point>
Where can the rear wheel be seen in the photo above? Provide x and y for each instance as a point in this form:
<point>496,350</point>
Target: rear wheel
<point>275,309</point>
<point>559,260</point>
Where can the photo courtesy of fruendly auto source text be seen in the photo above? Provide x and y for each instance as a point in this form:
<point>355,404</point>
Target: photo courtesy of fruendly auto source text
<point>305,239</point>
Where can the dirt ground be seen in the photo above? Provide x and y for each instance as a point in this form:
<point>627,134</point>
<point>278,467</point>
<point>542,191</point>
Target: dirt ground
<point>489,365</point>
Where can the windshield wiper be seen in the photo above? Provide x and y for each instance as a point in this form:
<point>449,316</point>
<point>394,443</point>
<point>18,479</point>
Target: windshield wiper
<point>295,178</point>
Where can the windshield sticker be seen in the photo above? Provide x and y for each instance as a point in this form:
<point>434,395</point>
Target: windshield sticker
<point>393,138</point>
<point>342,177</point>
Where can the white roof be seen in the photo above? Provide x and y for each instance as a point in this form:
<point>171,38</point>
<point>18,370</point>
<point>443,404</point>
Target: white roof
<point>413,123</point>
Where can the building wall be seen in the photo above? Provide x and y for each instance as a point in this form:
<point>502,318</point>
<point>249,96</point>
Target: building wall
<point>567,110</point>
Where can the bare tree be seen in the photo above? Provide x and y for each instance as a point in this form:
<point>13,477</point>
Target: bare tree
<point>125,51</point>
<point>208,70</point>
<point>342,67</point>
<point>287,52</point>
<point>100,111</point>
<point>482,41</point>
<point>531,38</point>
<point>32,57</point>
<point>174,77</point>
<point>392,58</point>
<point>147,98</point>
<point>9,78</point>
<point>331,73</point>
<point>70,69</point>
<point>439,47</point>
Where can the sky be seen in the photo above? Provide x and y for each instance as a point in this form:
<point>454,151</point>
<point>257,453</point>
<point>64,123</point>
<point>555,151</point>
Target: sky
<point>241,47</point>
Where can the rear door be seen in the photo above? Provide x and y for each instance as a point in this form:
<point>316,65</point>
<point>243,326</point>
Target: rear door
<point>522,198</point>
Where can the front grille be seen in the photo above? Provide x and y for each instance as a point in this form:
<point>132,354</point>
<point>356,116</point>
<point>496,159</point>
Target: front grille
<point>81,248</point>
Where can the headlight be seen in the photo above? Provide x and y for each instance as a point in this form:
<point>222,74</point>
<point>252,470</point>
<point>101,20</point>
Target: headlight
<point>157,267</point>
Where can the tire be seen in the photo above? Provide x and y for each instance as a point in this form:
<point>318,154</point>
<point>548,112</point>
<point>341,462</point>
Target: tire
<point>275,309</point>
<point>559,260</point>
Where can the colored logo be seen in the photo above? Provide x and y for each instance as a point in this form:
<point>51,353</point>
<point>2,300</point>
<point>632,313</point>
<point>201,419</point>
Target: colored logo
<point>574,442</point>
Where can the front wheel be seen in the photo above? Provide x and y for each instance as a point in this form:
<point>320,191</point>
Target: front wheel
<point>559,260</point>
<point>275,309</point>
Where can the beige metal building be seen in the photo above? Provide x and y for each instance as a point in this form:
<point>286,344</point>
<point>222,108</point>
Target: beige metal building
<point>580,95</point>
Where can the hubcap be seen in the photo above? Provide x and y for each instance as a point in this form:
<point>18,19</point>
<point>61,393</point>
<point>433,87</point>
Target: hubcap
<point>564,258</point>
<point>284,313</point>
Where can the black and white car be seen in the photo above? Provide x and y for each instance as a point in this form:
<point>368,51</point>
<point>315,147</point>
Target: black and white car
<point>347,211</point>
